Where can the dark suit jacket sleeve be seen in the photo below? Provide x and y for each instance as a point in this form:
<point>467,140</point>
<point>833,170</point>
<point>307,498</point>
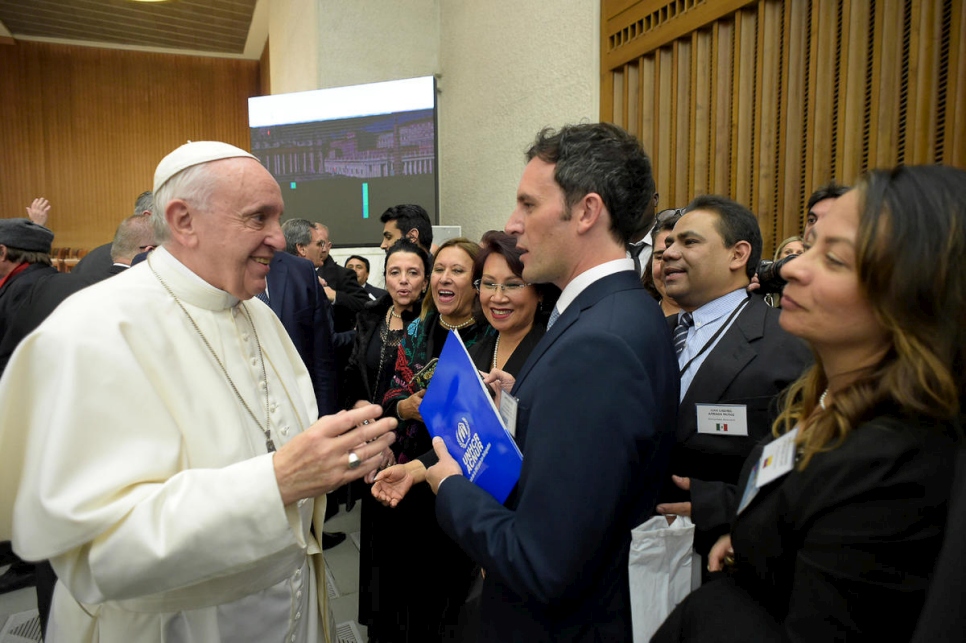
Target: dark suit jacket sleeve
<point>712,508</point>
<point>943,617</point>
<point>578,472</point>
<point>305,312</point>
<point>348,293</point>
<point>325,376</point>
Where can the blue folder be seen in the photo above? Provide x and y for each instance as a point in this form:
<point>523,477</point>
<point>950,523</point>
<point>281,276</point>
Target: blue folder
<point>458,408</point>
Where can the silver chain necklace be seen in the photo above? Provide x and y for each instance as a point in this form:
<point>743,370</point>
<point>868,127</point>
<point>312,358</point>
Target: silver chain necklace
<point>269,444</point>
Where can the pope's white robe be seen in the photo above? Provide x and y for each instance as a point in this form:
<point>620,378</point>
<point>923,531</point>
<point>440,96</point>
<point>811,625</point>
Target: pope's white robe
<point>145,481</point>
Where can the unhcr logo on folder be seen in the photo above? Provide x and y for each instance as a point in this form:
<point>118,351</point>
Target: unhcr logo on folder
<point>463,433</point>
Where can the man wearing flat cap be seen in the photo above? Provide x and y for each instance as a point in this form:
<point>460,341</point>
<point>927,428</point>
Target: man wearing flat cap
<point>177,479</point>
<point>24,258</point>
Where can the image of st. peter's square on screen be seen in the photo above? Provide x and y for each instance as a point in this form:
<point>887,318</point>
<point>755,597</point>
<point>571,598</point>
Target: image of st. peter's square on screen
<point>344,155</point>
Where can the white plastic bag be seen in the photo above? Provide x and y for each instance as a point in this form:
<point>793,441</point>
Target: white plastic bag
<point>662,571</point>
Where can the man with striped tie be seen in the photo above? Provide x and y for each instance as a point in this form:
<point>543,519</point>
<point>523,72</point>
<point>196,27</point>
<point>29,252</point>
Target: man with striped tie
<point>733,356</point>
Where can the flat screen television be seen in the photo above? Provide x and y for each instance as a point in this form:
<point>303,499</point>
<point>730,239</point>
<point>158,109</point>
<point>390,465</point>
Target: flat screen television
<point>343,155</point>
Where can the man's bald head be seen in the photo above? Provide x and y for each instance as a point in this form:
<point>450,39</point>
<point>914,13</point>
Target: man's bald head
<point>134,235</point>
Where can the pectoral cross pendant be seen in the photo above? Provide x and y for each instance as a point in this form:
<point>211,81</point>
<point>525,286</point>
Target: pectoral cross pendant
<point>270,445</point>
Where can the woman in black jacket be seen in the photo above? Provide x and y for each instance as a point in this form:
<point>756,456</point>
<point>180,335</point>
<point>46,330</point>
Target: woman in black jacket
<point>380,328</point>
<point>838,522</point>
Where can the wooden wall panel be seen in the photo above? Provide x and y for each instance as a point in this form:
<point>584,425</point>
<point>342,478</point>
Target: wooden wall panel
<point>722,51</point>
<point>765,100</point>
<point>699,171</point>
<point>663,151</point>
<point>852,103</point>
<point>954,113</point>
<point>85,127</point>
<point>680,131</point>
<point>743,105</point>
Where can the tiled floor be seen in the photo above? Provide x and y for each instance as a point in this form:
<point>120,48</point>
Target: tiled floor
<point>343,563</point>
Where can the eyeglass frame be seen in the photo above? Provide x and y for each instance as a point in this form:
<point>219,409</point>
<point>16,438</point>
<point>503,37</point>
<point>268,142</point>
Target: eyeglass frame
<point>479,284</point>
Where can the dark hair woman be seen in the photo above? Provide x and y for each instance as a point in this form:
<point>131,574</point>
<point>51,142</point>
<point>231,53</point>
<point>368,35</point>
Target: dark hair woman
<point>380,327</point>
<point>432,613</point>
<point>836,533</point>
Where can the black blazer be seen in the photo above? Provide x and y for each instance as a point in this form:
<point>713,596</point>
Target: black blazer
<point>943,617</point>
<point>16,290</point>
<point>373,292</point>
<point>350,297</point>
<point>295,295</point>
<point>356,384</point>
<point>43,296</point>
<point>597,401</point>
<point>752,363</point>
<point>843,550</point>
<point>94,265</point>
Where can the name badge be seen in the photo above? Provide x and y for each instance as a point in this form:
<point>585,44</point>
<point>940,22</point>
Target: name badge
<point>723,419</point>
<point>777,459</point>
<point>508,412</point>
<point>751,489</point>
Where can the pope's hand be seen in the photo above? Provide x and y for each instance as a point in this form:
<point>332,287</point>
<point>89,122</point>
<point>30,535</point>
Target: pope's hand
<point>443,469</point>
<point>317,460</point>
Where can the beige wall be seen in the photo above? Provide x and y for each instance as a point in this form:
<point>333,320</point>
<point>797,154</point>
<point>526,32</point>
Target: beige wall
<point>293,28</point>
<point>506,68</point>
<point>509,68</point>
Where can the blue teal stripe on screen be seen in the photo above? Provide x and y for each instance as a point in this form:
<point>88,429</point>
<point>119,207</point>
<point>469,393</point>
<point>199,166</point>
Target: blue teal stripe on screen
<point>365,200</point>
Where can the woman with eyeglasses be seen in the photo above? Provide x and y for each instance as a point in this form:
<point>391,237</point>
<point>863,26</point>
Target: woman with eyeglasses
<point>432,613</point>
<point>512,306</point>
<point>837,523</point>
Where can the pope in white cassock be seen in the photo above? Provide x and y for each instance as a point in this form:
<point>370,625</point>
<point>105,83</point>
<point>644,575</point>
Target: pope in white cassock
<point>160,438</point>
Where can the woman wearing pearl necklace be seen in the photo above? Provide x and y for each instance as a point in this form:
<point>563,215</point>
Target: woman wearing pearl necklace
<point>451,304</point>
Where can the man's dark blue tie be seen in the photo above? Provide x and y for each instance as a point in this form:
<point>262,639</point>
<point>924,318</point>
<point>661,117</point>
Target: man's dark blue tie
<point>681,332</point>
<point>263,297</point>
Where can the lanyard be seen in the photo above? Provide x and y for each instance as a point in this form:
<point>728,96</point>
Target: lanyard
<point>711,341</point>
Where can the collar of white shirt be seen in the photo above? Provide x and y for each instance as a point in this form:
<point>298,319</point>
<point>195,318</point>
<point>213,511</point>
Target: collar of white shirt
<point>580,283</point>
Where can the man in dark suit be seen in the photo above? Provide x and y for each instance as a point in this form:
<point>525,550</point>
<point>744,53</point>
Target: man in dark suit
<point>597,402</point>
<point>360,265</point>
<point>295,295</point>
<point>24,258</point>
<point>96,264</point>
<point>733,356</point>
<point>311,241</point>
<point>134,235</point>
